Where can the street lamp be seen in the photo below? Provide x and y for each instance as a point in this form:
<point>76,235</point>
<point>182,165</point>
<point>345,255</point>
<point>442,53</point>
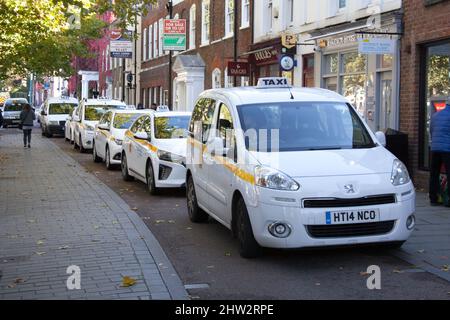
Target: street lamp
<point>169,7</point>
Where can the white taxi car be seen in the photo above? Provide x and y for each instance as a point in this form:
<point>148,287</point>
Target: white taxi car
<point>290,167</point>
<point>87,116</point>
<point>54,115</point>
<point>154,150</point>
<point>70,126</point>
<point>109,134</point>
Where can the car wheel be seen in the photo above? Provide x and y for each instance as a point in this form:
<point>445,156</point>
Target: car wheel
<point>124,168</point>
<point>109,166</point>
<point>196,214</point>
<point>95,157</point>
<point>391,245</point>
<point>151,180</point>
<point>82,150</point>
<point>248,247</point>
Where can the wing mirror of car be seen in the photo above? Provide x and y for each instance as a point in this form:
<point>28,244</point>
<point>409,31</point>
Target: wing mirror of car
<point>381,137</point>
<point>43,113</point>
<point>141,135</point>
<point>76,118</point>
<point>69,118</point>
<point>103,126</point>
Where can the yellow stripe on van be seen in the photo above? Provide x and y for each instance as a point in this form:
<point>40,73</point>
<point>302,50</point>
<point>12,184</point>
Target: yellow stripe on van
<point>144,143</point>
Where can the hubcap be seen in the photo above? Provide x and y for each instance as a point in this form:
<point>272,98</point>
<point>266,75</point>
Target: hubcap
<point>191,197</point>
<point>124,165</point>
<point>107,157</point>
<point>150,178</point>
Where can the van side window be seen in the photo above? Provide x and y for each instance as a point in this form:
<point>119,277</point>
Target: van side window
<point>136,126</point>
<point>225,122</point>
<point>147,126</point>
<point>203,114</point>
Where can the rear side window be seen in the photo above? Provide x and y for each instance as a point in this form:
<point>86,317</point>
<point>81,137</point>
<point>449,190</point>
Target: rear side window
<point>202,118</point>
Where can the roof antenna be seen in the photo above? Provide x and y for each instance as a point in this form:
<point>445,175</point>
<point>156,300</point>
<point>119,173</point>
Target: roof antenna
<point>292,96</point>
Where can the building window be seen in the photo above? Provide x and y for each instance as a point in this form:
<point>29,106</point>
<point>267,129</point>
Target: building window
<point>192,26</point>
<point>229,80</point>
<point>245,81</point>
<point>144,44</point>
<point>330,71</point>
<point>353,79</point>
<point>205,21</point>
<point>229,17</point>
<point>216,79</point>
<point>150,42</point>
<point>155,40</point>
<point>161,36</point>
<point>289,12</point>
<point>269,16</point>
<point>342,4</point>
<point>435,87</point>
<point>245,15</point>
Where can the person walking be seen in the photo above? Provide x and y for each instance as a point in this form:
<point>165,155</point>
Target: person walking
<point>440,150</point>
<point>27,117</point>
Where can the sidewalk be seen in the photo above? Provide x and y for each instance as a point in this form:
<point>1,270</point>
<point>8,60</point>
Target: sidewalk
<point>429,246</point>
<point>53,215</point>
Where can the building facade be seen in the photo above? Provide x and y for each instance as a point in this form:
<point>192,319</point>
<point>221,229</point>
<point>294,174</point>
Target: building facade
<point>425,76</point>
<point>210,45</point>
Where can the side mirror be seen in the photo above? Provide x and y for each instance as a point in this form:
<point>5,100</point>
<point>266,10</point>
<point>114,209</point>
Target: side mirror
<point>76,118</point>
<point>103,126</point>
<point>69,118</point>
<point>381,137</point>
<point>141,135</point>
<point>43,113</point>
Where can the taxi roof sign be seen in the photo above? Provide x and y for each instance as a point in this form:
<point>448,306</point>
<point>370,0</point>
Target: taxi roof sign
<point>273,82</point>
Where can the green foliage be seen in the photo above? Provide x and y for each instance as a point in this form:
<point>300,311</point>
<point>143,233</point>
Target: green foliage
<point>42,36</point>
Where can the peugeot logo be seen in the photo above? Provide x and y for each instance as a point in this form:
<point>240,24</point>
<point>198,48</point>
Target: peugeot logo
<point>349,188</point>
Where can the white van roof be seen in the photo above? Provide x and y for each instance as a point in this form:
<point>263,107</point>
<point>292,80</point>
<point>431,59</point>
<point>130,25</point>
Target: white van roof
<point>62,100</point>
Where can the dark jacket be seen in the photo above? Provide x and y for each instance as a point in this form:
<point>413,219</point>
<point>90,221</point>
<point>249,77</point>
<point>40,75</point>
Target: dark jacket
<point>440,131</point>
<point>26,118</point>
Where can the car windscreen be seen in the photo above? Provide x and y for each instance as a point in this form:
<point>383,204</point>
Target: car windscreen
<point>125,120</point>
<point>61,108</point>
<point>295,126</point>
<point>173,127</point>
<point>95,112</point>
<point>17,106</point>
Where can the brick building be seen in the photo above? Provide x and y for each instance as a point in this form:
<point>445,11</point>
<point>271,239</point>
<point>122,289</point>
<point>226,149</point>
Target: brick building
<point>425,76</point>
<point>210,45</point>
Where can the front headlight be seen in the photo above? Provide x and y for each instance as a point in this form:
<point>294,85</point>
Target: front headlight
<point>118,141</point>
<point>89,127</point>
<point>169,156</point>
<point>399,173</point>
<point>273,179</point>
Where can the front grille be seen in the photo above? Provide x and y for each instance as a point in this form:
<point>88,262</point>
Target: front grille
<point>164,172</point>
<point>354,202</point>
<point>62,123</point>
<point>350,230</point>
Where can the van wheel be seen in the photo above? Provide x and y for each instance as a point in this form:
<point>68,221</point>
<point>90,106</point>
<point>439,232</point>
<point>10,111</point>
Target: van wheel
<point>248,247</point>
<point>151,180</point>
<point>124,168</point>
<point>196,214</point>
<point>48,134</point>
<point>95,157</point>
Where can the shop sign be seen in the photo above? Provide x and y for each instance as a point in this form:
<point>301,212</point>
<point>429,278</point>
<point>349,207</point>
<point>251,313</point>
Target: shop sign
<point>376,46</point>
<point>241,69</point>
<point>287,63</point>
<point>266,55</point>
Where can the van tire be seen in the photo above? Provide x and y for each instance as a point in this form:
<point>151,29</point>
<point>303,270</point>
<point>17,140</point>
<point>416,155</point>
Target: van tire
<point>248,247</point>
<point>124,168</point>
<point>196,214</point>
<point>82,149</point>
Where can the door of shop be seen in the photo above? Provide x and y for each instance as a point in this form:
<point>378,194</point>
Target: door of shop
<point>385,114</point>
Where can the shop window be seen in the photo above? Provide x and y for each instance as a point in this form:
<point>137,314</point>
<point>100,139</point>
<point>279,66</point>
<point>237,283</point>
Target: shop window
<point>385,61</point>
<point>435,84</point>
<point>353,79</point>
<point>216,79</point>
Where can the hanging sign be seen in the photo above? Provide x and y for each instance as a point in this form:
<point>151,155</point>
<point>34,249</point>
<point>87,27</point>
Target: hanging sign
<point>376,46</point>
<point>174,34</point>
<point>121,44</point>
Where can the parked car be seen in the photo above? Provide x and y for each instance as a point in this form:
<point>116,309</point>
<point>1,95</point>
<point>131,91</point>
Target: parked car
<point>109,134</point>
<point>54,115</point>
<point>154,150</point>
<point>87,116</point>
<point>286,167</point>
<point>11,111</point>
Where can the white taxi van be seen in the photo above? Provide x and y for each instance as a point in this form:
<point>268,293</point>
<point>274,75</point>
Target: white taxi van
<point>154,150</point>
<point>54,114</point>
<point>70,126</point>
<point>109,134</point>
<point>87,116</point>
<point>290,167</point>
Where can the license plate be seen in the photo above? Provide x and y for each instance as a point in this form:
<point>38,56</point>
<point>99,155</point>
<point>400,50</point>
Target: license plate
<point>16,121</point>
<point>352,216</point>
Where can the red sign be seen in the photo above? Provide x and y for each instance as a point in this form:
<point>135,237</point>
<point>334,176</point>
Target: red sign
<point>439,106</point>
<point>174,26</point>
<point>115,34</point>
<point>240,69</point>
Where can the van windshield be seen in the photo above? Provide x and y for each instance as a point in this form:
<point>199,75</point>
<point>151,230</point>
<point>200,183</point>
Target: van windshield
<point>61,108</point>
<point>15,106</point>
<point>95,112</point>
<point>296,126</point>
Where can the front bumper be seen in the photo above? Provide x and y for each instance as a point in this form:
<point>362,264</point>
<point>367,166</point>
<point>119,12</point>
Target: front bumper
<point>392,222</point>
<point>87,138</point>
<point>170,175</point>
<point>115,152</point>
<point>57,129</point>
<point>11,122</point>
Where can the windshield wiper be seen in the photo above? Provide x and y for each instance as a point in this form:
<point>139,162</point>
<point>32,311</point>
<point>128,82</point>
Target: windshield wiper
<point>324,148</point>
<point>364,146</point>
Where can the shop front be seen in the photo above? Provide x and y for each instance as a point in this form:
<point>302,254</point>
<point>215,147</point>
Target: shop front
<point>369,80</point>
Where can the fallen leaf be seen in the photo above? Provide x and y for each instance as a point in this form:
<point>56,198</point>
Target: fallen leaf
<point>421,251</point>
<point>11,285</point>
<point>96,227</point>
<point>31,220</point>
<point>171,221</point>
<point>227,254</point>
<point>445,268</point>
<point>128,281</point>
<point>363,273</point>
<point>188,228</point>
<point>40,242</point>
<point>159,221</point>
<point>19,280</point>
<point>210,267</point>
<point>115,222</point>
<point>134,209</point>
<point>317,283</point>
<point>40,253</point>
<point>63,247</point>
<point>397,271</point>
